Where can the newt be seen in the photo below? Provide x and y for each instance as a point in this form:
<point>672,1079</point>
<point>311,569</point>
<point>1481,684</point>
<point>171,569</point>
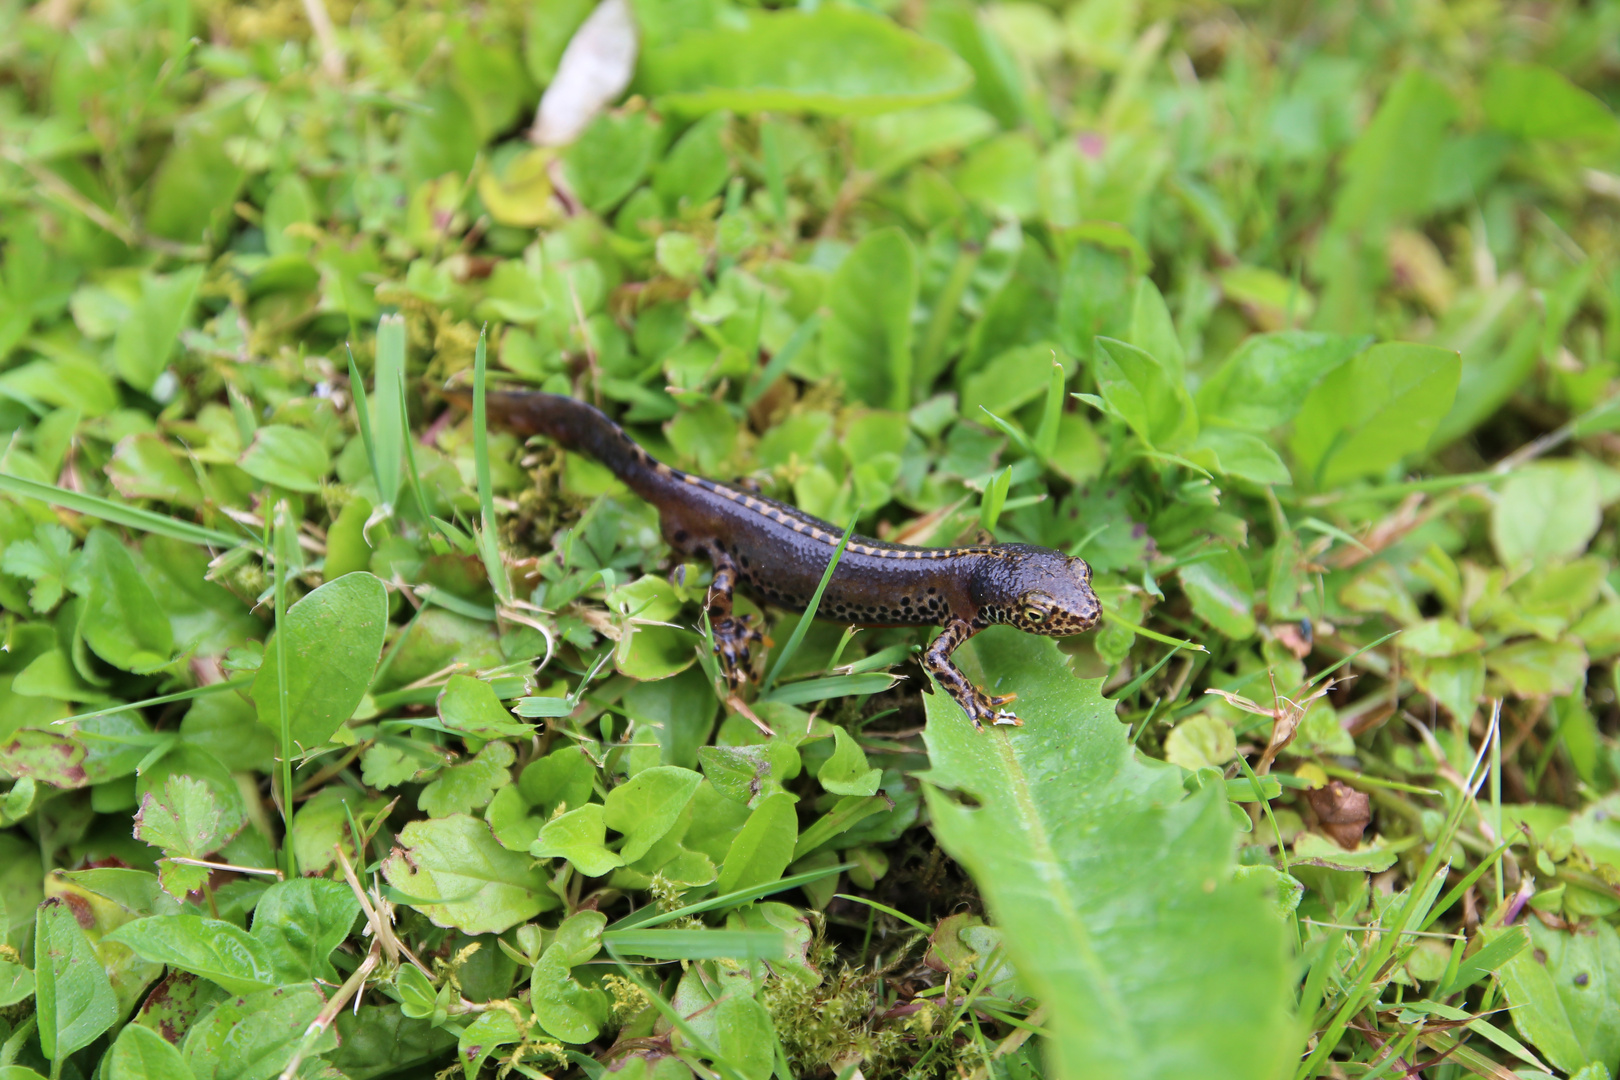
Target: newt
<point>778,553</point>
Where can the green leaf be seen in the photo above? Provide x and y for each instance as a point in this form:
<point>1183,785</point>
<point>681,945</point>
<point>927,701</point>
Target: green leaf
<point>1544,512</point>
<point>147,336</point>
<point>466,787</point>
<point>1240,454</point>
<point>679,711</point>
<point>1562,991</point>
<point>301,922</point>
<point>1112,888</point>
<point>866,338</point>
<point>1390,171</point>
<point>846,772</point>
<point>16,983</point>
<point>764,847</point>
<point>471,705</point>
<point>334,639</point>
<point>835,61</point>
<point>459,876</point>
<point>47,561</point>
<point>1264,382</point>
<point>1536,102</point>
<point>219,951</point>
<point>73,997</point>
<point>122,621</point>
<point>1222,593</point>
<point>646,806</point>
<point>187,818</point>
<point>145,466</point>
<point>1371,412</point>
<point>747,1039</point>
<point>142,1054</point>
<point>287,457</point>
<point>580,836</point>
<point>564,1008</point>
<point>564,777</point>
<point>1440,637</point>
<point>610,157</point>
<point>1536,668</point>
<point>1154,403</point>
<point>888,143</point>
<point>255,1036</point>
<point>1200,742</point>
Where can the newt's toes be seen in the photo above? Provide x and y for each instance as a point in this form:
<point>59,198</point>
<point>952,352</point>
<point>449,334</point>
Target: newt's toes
<point>1007,719</point>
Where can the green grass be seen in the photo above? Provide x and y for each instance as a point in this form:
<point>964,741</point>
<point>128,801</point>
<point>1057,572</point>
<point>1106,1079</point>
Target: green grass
<point>1300,324</point>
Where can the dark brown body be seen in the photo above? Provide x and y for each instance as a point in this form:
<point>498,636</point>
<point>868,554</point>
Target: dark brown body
<point>779,554</point>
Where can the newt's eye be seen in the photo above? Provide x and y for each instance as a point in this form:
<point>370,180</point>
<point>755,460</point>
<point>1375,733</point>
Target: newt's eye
<point>1033,614</point>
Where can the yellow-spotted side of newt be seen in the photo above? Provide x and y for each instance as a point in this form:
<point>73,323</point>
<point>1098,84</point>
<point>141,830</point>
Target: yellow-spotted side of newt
<point>779,553</point>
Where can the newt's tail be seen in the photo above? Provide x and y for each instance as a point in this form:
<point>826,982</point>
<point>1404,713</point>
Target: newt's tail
<point>572,424</point>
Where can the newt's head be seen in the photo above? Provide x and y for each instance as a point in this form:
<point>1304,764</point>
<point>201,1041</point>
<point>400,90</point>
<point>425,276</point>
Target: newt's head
<point>1038,590</point>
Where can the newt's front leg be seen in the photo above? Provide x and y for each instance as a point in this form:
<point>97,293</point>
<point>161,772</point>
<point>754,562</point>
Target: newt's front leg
<point>979,706</point>
<point>734,636</point>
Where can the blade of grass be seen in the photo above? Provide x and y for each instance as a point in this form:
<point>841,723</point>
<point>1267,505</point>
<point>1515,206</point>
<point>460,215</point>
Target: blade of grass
<point>699,944</point>
<point>800,630</point>
<point>286,542</point>
<point>1151,635</point>
<point>650,916</point>
<point>183,695</point>
<point>833,686</point>
<point>995,496</point>
<point>778,365</point>
<point>1051,412</point>
<point>129,516</point>
<point>362,419</point>
<point>388,375</point>
<point>887,910</point>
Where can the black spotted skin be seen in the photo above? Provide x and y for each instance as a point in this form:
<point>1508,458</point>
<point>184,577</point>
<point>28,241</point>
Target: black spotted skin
<point>778,554</point>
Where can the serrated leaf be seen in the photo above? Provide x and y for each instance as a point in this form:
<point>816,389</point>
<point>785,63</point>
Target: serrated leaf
<point>47,561</point>
<point>1113,889</point>
<point>464,788</point>
<point>186,819</point>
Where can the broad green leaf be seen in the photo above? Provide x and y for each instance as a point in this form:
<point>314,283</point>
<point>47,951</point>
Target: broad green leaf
<point>1149,398</point>
<point>334,638</point>
<point>1563,991</point>
<point>142,1054</point>
<point>836,61</point>
<point>186,818</point>
<point>846,772</point>
<point>1371,412</point>
<point>746,1035</point>
<point>1222,593</point>
<point>1440,637</point>
<point>73,998</point>
<point>1154,332</point>
<point>145,466</point>
<point>564,1008</point>
<point>646,806</point>
<point>1241,454</point>
<point>1544,512</point>
<point>16,983</point>
<point>887,143</point>
<point>301,922</point>
<point>1536,668</point>
<point>1112,888</point>
<point>464,788</point>
<point>580,836</point>
<point>866,338</point>
<point>680,711</point>
<point>255,1036</point>
<point>121,619</point>
<point>458,875</point>
<point>1390,171</point>
<point>147,337</point>
<point>1264,382</point>
<point>470,705</point>
<point>610,157</point>
<point>219,951</point>
<point>564,777</point>
<point>764,847</point>
<point>1537,102</point>
<point>1200,742</point>
<point>287,457</point>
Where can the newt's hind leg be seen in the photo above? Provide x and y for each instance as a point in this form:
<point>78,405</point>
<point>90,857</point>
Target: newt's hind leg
<point>735,636</point>
<point>981,707</point>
